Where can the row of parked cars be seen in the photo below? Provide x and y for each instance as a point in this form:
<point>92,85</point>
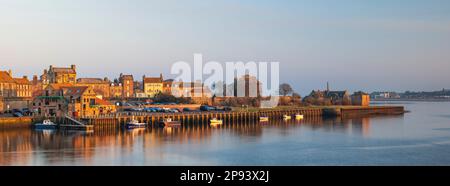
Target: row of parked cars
<point>204,108</point>
<point>19,112</point>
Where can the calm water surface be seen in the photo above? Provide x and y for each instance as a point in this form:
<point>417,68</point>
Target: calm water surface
<point>421,137</point>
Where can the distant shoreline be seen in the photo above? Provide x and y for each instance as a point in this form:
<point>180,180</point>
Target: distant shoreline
<point>418,100</point>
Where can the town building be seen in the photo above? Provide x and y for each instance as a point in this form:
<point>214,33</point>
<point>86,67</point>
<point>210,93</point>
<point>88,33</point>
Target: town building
<point>23,87</point>
<point>167,86</point>
<point>100,86</point>
<point>74,101</point>
<point>60,75</point>
<point>138,93</point>
<point>7,84</point>
<point>360,99</point>
<point>15,92</point>
<point>116,90</point>
<point>152,86</point>
<point>127,82</point>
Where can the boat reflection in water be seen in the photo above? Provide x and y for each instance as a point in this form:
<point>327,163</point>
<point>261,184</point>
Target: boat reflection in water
<point>234,142</point>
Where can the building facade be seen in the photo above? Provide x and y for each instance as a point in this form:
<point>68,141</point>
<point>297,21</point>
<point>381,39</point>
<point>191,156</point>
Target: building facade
<point>360,99</point>
<point>127,82</point>
<point>16,93</point>
<point>152,86</point>
<point>100,86</point>
<point>116,90</point>
<point>60,75</point>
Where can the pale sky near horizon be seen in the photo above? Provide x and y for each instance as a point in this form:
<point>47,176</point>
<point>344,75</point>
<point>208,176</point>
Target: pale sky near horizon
<point>365,45</point>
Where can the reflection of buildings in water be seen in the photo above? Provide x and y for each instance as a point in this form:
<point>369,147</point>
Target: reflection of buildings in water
<point>15,140</point>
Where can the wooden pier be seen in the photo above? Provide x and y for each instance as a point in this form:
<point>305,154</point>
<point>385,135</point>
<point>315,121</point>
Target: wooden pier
<point>195,118</point>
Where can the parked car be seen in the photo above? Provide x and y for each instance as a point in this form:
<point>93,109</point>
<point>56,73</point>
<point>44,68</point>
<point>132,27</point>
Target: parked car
<point>17,114</point>
<point>26,111</point>
<point>187,110</point>
<point>207,108</point>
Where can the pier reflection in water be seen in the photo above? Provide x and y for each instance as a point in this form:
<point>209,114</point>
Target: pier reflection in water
<point>154,146</point>
<point>419,138</point>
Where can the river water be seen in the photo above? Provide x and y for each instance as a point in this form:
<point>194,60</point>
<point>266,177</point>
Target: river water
<point>421,137</point>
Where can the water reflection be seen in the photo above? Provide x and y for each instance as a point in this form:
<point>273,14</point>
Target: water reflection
<point>46,147</point>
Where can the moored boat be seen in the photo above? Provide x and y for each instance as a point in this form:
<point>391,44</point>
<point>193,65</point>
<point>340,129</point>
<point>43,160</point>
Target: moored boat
<point>299,117</point>
<point>135,124</point>
<point>263,119</point>
<point>46,125</point>
<point>287,117</point>
<point>168,122</point>
<point>216,121</point>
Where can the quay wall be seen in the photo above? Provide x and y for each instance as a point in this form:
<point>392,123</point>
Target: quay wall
<point>13,122</point>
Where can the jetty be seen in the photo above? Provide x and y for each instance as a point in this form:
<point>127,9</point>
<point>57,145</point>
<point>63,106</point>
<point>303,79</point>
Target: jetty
<point>193,118</point>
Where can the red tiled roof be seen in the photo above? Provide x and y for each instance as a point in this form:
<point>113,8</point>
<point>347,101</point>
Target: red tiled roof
<point>5,77</point>
<point>74,91</point>
<point>102,102</point>
<point>22,81</point>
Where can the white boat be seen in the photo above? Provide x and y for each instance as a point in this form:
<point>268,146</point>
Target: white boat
<point>299,116</point>
<point>168,122</point>
<point>287,117</point>
<point>216,121</point>
<point>135,124</point>
<point>46,124</point>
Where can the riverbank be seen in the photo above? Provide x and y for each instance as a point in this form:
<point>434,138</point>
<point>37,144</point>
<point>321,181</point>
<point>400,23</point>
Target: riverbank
<point>15,122</point>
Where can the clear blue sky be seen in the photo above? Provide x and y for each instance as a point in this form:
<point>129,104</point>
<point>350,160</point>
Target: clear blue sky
<point>355,44</point>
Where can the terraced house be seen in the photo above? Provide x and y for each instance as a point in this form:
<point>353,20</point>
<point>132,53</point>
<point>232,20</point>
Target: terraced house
<point>15,93</point>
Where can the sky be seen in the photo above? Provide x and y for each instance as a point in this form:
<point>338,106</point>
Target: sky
<point>369,45</point>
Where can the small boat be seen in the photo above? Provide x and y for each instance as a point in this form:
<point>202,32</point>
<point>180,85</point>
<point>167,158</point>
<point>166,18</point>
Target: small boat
<point>287,117</point>
<point>168,122</point>
<point>216,121</point>
<point>45,125</point>
<point>263,118</point>
<point>299,117</point>
<point>135,124</point>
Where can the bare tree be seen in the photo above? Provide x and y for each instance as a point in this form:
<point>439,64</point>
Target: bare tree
<point>285,89</point>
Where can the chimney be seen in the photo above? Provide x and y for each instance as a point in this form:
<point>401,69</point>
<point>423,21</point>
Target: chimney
<point>35,79</point>
<point>25,77</point>
<point>45,71</point>
<point>161,76</point>
<point>51,67</point>
<point>73,67</point>
<point>10,72</point>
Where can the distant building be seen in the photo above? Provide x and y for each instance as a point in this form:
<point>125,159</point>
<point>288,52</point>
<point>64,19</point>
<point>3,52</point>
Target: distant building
<point>15,92</point>
<point>60,75</point>
<point>7,84</point>
<point>100,86</point>
<point>138,93</point>
<point>23,87</point>
<point>116,90</point>
<point>152,86</point>
<point>127,82</point>
<point>360,99</point>
<point>167,86</point>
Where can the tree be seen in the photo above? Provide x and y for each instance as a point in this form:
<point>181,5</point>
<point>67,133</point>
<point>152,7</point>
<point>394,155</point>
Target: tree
<point>285,89</point>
